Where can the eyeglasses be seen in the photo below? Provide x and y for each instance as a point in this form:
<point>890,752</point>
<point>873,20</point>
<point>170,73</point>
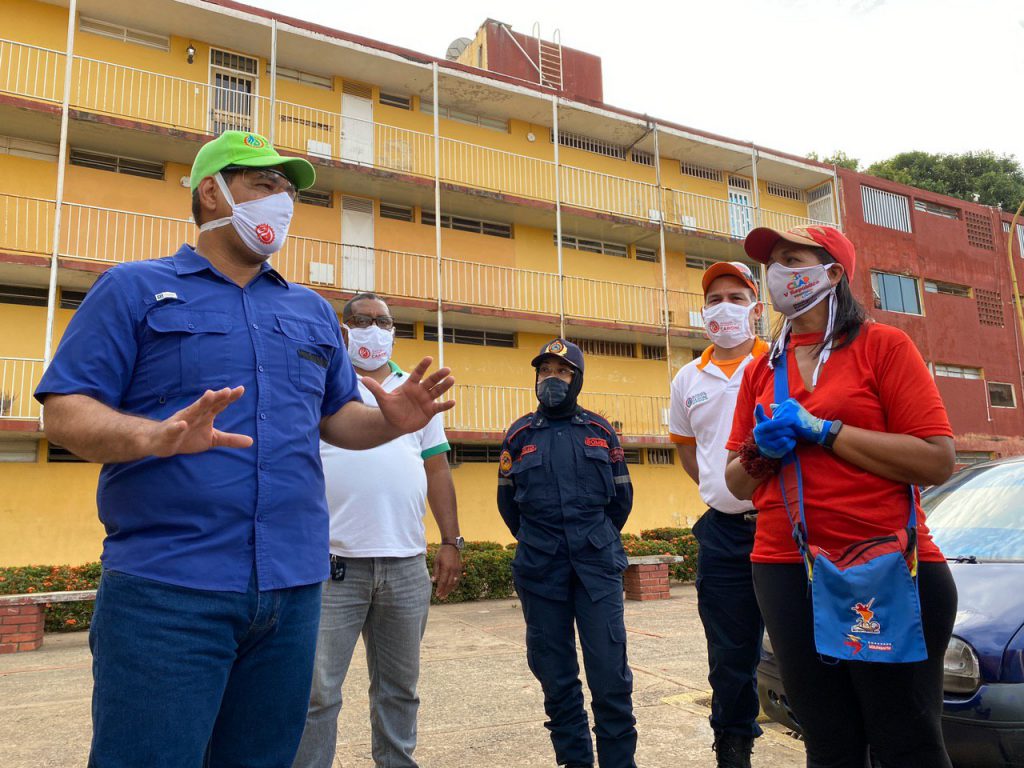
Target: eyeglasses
<point>383,322</point>
<point>264,179</point>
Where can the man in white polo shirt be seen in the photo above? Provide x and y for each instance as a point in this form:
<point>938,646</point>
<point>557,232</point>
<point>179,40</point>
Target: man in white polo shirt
<point>379,585</point>
<point>702,402</point>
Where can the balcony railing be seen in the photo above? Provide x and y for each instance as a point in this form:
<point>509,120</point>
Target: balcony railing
<point>488,409</point>
<point>173,102</point>
<point>18,379</point>
<point>26,225</point>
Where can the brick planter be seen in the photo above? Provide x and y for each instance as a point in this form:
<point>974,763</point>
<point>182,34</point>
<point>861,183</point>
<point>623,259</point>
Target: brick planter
<point>646,581</point>
<point>21,628</point>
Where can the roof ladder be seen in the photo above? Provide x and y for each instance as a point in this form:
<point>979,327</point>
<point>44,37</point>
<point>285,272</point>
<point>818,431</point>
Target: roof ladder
<point>550,55</point>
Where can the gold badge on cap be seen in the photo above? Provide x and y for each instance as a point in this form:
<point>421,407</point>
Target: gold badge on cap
<point>556,347</point>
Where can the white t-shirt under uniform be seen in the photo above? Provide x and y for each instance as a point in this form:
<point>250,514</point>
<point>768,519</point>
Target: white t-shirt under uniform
<point>701,407</point>
<point>377,497</point>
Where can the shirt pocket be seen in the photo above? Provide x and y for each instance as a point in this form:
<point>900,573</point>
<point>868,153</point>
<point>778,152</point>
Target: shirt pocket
<point>528,473</point>
<point>595,477</point>
<point>188,351</point>
<point>309,348</point>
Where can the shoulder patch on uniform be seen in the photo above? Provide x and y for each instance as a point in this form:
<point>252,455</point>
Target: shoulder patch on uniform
<point>596,442</point>
<point>616,455</point>
<point>505,462</point>
<point>527,450</point>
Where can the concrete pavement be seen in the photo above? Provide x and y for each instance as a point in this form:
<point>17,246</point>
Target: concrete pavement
<point>480,704</point>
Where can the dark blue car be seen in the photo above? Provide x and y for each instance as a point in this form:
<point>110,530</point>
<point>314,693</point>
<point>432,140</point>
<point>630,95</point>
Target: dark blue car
<point>977,519</point>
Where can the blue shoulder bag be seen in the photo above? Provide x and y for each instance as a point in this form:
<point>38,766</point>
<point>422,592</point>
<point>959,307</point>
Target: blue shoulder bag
<point>865,601</point>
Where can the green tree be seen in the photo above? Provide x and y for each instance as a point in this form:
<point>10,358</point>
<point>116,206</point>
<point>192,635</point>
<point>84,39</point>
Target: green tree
<point>983,176</point>
<point>839,158</point>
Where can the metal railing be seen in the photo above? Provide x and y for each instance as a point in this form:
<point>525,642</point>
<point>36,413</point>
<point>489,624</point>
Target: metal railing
<point>497,287</point>
<point>92,233</point>
<point>18,379</point>
<point>31,71</point>
<point>497,170</point>
<point>784,221</point>
<point>482,408</point>
<point>26,224</point>
<point>605,300</point>
<point>610,194</point>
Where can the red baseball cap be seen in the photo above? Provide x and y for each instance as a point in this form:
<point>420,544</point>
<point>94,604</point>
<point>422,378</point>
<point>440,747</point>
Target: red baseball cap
<point>735,269</point>
<point>761,241</point>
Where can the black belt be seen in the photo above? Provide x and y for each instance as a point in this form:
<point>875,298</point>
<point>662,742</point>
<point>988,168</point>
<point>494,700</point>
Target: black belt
<point>749,517</point>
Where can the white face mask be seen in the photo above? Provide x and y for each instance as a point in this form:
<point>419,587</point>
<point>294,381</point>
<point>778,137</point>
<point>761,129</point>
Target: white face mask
<point>794,291</point>
<point>262,223</point>
<point>370,348</point>
<point>728,325</point>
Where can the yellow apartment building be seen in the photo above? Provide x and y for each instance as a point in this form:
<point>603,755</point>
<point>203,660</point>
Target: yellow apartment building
<point>490,194</point>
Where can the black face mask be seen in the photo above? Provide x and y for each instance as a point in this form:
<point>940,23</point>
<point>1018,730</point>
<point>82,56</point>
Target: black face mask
<point>558,398</point>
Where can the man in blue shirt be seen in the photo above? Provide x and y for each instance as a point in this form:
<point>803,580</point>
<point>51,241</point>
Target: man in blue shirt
<point>203,382</point>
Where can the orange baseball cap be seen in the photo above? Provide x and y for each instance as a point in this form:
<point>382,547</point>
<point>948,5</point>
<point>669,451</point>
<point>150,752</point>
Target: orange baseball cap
<point>733,268</point>
<point>761,241</point>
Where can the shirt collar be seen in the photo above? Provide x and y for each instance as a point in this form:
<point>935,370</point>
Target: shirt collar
<point>759,348</point>
<point>188,262</point>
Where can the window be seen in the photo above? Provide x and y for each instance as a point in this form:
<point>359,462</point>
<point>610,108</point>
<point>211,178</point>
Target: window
<point>405,330</point>
<point>588,144</point>
<point>605,348</point>
<point>393,100</point>
<point>234,61</point>
<point>641,158</point>
<point>740,182</point>
<point>467,336</point>
<point>124,34</point>
<point>396,212</point>
<point>633,455</point>
<point>71,299</point>
<point>23,295</point>
<point>494,123</point>
<point>885,209</point>
<point>661,457</point>
<point>950,289</point>
<point>979,231</point>
<point>696,262</point>
<point>967,458</point>
<point>592,246</point>
<point>33,150</point>
<point>784,190</point>
<point>306,78</point>
<point>315,197</point>
<point>20,451</point>
<point>895,293</point>
<point>653,352</point>
<point>700,171</point>
<point>117,164</point>
<point>957,371</point>
<point>55,454</point>
<point>1001,395</point>
<point>468,453</point>
<point>463,224</point>
<point>945,211</point>
<point>990,307</point>
<point>646,254</point>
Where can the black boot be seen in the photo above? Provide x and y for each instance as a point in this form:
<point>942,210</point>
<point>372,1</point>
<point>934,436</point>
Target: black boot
<point>733,751</point>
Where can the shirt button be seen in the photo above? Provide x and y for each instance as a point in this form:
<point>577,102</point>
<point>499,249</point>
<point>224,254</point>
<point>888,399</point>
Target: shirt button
<point>255,326</point>
<point>260,369</point>
<point>259,518</point>
<point>263,417</point>
<point>263,465</point>
<point>191,325</point>
<point>312,338</point>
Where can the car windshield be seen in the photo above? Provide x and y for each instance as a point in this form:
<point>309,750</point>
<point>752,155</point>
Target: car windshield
<point>979,512</point>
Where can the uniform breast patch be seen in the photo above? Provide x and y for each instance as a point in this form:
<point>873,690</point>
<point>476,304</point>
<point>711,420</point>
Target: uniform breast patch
<point>596,442</point>
<point>527,450</point>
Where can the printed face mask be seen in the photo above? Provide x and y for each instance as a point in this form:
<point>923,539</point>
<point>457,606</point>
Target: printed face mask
<point>370,348</point>
<point>262,223</point>
<point>794,291</point>
<point>728,325</point>
<point>552,391</point>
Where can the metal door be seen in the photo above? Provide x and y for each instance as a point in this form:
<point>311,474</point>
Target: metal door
<point>356,124</point>
<point>357,254</point>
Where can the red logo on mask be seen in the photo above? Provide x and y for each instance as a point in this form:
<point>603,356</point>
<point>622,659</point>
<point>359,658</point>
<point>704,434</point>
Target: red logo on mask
<point>714,327</point>
<point>265,233</point>
<point>364,353</point>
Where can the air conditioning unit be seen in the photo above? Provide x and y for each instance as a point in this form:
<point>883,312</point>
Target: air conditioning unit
<point>321,273</point>
<point>318,148</point>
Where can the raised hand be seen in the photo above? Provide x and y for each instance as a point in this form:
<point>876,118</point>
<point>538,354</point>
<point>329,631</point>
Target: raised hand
<point>191,429</point>
<point>415,403</point>
<point>774,438</point>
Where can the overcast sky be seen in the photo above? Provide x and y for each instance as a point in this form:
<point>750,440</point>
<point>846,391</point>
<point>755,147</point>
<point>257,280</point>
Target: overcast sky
<point>869,77</point>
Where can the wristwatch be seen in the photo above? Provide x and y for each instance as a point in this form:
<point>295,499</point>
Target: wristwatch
<point>458,542</point>
<point>833,433</point>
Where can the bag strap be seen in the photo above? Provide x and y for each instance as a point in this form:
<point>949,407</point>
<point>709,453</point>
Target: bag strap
<point>790,460</point>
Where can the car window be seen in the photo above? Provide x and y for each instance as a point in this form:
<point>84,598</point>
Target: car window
<point>980,512</point>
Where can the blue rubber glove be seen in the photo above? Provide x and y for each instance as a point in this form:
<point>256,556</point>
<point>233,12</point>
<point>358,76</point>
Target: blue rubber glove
<point>805,425</point>
<point>774,438</point>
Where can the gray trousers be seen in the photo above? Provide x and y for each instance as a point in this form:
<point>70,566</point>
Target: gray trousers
<point>385,599</point>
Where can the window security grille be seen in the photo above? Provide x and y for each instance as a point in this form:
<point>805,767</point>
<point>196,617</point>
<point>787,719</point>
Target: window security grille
<point>315,197</point>
<point>885,209</point>
<point>740,182</point>
<point>405,330</point>
<point>604,348</point>
<point>950,289</point>
<point>71,299</point>
<point>696,262</point>
<point>784,190</point>
<point>394,100</point>
<point>633,455</point>
<point>357,204</point>
<point>356,89</point>
<point>641,158</point>
<point>819,193</point>
<point>646,254</point>
<point>957,371</point>
<point>661,456</point>
<point>588,144</point>
<point>124,34</point>
<point>990,307</point>
<point>979,231</point>
<point>945,211</point>
<point>127,165</point>
<point>38,150</point>
<point>470,336</point>
<point>470,453</point>
<point>23,295</point>
<point>396,212</point>
<point>592,246</point>
<point>652,352</point>
<point>463,224</point>
<point>700,171</point>
<point>234,61</point>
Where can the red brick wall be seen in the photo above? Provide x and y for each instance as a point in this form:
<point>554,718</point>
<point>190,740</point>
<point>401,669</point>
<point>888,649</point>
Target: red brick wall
<point>21,628</point>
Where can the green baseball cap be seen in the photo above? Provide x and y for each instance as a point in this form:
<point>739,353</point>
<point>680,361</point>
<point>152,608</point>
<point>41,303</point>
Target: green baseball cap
<point>252,151</point>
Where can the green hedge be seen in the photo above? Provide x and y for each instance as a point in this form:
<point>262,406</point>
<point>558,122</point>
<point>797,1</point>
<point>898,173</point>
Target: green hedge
<point>486,574</point>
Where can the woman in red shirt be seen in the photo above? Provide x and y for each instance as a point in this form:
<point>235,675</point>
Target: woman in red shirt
<point>866,421</point>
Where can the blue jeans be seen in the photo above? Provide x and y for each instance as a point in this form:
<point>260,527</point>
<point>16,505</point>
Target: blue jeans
<point>386,599</point>
<point>185,678</point>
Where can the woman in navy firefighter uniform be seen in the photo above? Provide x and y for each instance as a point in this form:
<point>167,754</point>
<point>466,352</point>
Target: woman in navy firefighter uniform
<point>564,492</point>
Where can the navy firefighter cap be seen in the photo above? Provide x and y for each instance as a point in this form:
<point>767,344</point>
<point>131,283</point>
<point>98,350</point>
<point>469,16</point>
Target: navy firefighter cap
<point>566,350</point>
